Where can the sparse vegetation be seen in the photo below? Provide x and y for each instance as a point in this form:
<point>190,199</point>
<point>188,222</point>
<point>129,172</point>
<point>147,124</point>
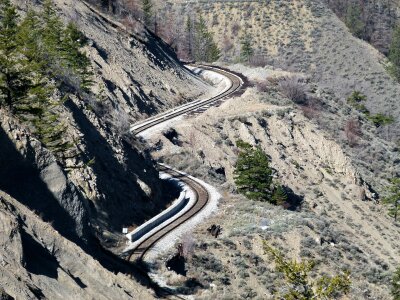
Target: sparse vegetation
<point>300,284</point>
<point>356,100</point>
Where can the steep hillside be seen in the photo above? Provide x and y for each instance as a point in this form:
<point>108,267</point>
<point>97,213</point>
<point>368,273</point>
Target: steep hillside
<point>39,263</point>
<point>307,38</point>
<point>331,218</point>
<point>103,181</point>
<point>135,75</point>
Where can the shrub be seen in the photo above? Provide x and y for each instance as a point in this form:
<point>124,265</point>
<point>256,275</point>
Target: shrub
<point>293,88</point>
<point>380,119</point>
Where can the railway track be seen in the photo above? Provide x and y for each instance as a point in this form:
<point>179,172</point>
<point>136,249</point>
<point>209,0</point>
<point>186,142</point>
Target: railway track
<point>236,84</point>
<point>201,194</point>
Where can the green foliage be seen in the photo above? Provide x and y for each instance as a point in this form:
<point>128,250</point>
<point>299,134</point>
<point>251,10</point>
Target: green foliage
<point>246,50</point>
<point>393,199</point>
<point>395,290</point>
<point>380,119</point>
<point>37,56</point>
<point>253,175</point>
<point>394,54</point>
<point>279,196</point>
<point>13,71</point>
<point>147,8</point>
<point>356,99</point>
<point>354,20</point>
<point>205,49</point>
<point>301,285</point>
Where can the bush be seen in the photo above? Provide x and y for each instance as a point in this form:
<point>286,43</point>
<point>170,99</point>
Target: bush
<point>380,119</point>
<point>293,88</point>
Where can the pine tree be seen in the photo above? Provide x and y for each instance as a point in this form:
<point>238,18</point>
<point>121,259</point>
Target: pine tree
<point>189,37</point>
<point>246,51</point>
<point>394,53</point>
<point>393,199</point>
<point>253,175</point>
<point>13,77</point>
<point>279,196</point>
<point>36,58</point>
<point>204,48</point>
<point>147,8</point>
<point>73,40</point>
<point>51,32</point>
<point>395,291</point>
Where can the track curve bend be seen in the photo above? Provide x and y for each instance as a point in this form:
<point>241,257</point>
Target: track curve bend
<point>201,193</point>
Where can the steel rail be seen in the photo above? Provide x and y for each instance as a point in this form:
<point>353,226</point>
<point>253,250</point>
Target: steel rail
<point>201,194</point>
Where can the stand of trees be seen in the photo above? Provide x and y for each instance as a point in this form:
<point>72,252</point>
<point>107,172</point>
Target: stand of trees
<point>39,57</point>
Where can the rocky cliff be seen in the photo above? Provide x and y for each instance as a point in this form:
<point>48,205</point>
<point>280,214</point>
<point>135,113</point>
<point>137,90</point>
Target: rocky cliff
<point>55,208</point>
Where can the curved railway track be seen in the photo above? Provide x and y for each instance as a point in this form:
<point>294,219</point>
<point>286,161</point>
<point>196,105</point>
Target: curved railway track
<point>236,84</point>
<point>201,194</point>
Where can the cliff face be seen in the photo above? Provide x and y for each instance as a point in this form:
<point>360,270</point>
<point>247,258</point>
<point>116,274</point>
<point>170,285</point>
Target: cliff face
<point>52,205</point>
<point>31,174</point>
<point>37,262</point>
<point>105,180</point>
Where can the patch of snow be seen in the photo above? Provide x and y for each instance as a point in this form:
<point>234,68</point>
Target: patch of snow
<point>173,212</point>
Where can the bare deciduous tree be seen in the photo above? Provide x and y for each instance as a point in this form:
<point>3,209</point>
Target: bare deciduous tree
<point>294,88</point>
<point>352,131</point>
<point>188,245</point>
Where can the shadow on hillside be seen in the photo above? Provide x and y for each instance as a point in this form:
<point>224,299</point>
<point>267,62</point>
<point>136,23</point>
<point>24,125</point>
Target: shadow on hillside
<point>20,178</point>
<point>37,258</point>
<point>294,201</point>
<point>122,198</point>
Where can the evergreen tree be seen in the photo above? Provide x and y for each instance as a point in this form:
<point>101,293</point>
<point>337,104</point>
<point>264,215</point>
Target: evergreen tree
<point>354,20</point>
<point>246,51</point>
<point>253,175</point>
<point>38,56</point>
<point>51,32</point>
<point>189,36</point>
<point>73,40</point>
<point>393,199</point>
<point>205,49</point>
<point>147,8</point>
<point>394,53</point>
<point>13,77</point>
<point>279,196</point>
<point>395,291</point>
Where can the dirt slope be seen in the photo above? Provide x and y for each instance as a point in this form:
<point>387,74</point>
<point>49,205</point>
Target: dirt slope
<point>334,227</point>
